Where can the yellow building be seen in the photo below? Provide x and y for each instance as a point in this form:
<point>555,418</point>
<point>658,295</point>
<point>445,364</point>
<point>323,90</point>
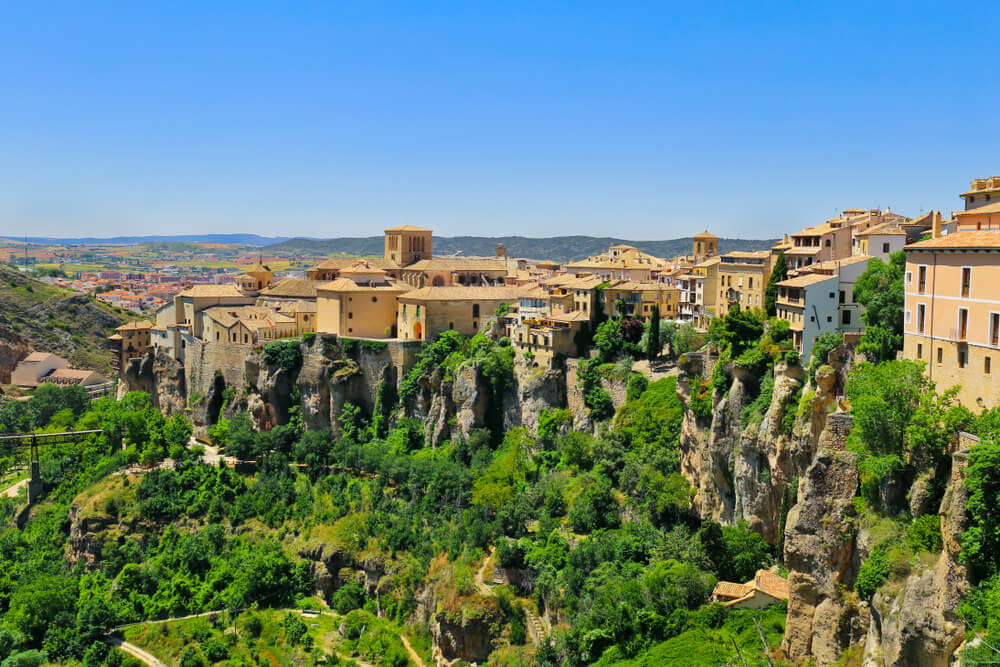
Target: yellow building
<point>329,269</point>
<point>540,339</point>
<point>362,303</point>
<point>704,245</point>
<point>742,280</point>
<point>453,271</point>
<point>259,278</point>
<point>426,312</point>
<point>130,341</point>
<point>638,299</point>
<point>621,262</point>
<point>407,244</point>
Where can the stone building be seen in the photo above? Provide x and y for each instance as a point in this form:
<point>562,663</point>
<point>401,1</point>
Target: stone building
<point>361,303</point>
<point>742,280</point>
<point>407,244</point>
<point>426,312</point>
<point>129,342</point>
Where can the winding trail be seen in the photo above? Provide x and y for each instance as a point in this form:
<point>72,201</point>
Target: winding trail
<point>537,628</point>
<point>14,489</point>
<point>135,652</point>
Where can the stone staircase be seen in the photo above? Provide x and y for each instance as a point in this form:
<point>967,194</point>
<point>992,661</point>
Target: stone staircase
<point>536,628</point>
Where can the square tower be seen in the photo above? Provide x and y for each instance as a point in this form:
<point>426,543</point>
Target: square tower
<point>407,244</point>
<point>705,245</point>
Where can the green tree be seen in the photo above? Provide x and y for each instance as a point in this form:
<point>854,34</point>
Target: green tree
<point>824,343</point>
<point>779,272</point>
<point>880,290</point>
<point>981,539</point>
<point>653,344</point>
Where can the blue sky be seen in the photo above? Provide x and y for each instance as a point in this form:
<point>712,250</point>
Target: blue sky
<point>642,121</point>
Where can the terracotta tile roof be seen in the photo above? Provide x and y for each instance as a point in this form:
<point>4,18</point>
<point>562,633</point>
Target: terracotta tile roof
<point>982,210</point>
<point>756,254</point>
<point>833,264</point>
<point>803,251</point>
<point>35,357</point>
<point>69,375</point>
<point>575,316</point>
<point>727,589</point>
<point>301,288</point>
<point>772,584</point>
<point>211,290</point>
<point>457,264</point>
<point>348,285</point>
<point>340,263</point>
<point>136,326</point>
<point>806,280</point>
<point>885,229</point>
<point>464,294</point>
<point>989,240</point>
<point>705,235</point>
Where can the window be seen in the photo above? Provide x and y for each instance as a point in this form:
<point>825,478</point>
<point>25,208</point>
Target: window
<point>986,365</point>
<point>350,315</point>
<point>475,310</point>
<point>829,318</point>
<point>751,282</point>
<point>963,323</point>
<point>963,357</point>
<point>940,354</point>
<point>920,351</point>
<point>833,294</point>
<point>843,296</point>
<point>374,299</point>
<point>907,317</point>
<point>995,329</point>
<point>966,281</point>
<point>885,248</point>
<point>846,317</point>
<point>828,243</point>
<point>812,318</point>
<point>451,325</point>
<point>921,279</point>
<point>909,277</point>
<point>921,312</point>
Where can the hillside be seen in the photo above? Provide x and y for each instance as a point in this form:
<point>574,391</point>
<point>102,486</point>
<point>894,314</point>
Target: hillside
<point>556,248</point>
<point>234,239</point>
<point>43,317</point>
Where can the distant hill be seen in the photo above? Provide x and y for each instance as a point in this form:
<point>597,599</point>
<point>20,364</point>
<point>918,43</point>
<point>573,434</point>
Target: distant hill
<point>46,318</point>
<point>229,239</point>
<point>556,248</point>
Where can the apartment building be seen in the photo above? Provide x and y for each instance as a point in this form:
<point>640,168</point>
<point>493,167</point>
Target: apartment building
<point>426,312</point>
<point>743,278</point>
<point>952,312</point>
<point>621,262</point>
<point>821,299</point>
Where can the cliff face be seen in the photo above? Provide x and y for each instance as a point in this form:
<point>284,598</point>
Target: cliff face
<point>160,376</point>
<point>13,348</point>
<point>918,624</point>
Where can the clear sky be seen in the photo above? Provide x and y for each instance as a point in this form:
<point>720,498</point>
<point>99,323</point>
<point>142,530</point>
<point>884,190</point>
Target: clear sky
<point>641,121</point>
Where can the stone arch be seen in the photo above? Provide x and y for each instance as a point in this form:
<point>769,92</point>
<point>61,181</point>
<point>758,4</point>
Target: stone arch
<point>437,282</point>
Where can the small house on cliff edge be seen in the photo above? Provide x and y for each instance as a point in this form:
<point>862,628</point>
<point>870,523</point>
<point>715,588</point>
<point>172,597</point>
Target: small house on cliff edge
<point>762,591</point>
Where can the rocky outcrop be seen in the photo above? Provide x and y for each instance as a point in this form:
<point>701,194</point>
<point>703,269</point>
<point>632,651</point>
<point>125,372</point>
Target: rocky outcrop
<point>468,638</point>
<point>819,553</point>
<point>86,541</point>
<point>13,348</point>
<point>162,377</point>
<point>918,624</point>
<point>532,392</point>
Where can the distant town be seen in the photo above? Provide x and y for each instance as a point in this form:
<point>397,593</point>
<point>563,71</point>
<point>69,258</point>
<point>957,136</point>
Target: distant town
<point>230,296</point>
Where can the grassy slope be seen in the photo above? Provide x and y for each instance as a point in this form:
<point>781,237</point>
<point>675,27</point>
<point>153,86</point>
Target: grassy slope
<point>53,319</point>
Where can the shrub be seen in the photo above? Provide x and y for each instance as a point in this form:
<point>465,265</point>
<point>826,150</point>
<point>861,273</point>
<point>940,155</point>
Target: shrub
<point>874,572</point>
<point>753,361</point>
<point>295,629</point>
<point>701,400</point>
<point>253,626</point>
<point>924,534</point>
<point>283,353</point>
<point>637,384</point>
<point>309,337</point>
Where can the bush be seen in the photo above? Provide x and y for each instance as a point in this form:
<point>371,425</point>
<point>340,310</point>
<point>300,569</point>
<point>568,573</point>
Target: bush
<point>701,400</point>
<point>637,384</point>
<point>924,534</point>
<point>347,598</point>
<point>253,626</point>
<point>284,353</point>
<point>295,629</point>
<point>872,574</point>
<point>309,337</point>
<point>215,649</point>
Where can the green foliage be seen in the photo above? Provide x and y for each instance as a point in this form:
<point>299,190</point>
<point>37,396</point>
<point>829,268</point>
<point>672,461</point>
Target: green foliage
<point>374,346</point>
<point>295,629</point>
<point>685,338</point>
<point>701,399</point>
<point>653,343</point>
<point>739,329</point>
<point>309,337</point>
<point>874,572</point>
<point>981,539</point>
<point>880,290</point>
<point>285,354</point>
<point>637,384</point>
<point>791,411</point>
<point>924,533</point>
<point>821,348</point>
<point>550,423</point>
<point>349,346</point>
<point>753,361</point>
<point>779,272</point>
<point>720,381</point>
<point>595,397</point>
<point>608,340</point>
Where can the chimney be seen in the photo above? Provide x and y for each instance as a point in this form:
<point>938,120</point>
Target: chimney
<point>936,225</point>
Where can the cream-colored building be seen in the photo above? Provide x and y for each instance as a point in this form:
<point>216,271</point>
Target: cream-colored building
<point>704,245</point>
<point>742,280</point>
<point>407,244</point>
<point>130,341</point>
<point>258,278</point>
<point>426,312</point>
<point>448,272</point>
<point>982,192</point>
<point>621,262</point>
<point>543,337</point>
<point>952,312</point>
<point>329,269</point>
<point>30,370</point>
<point>362,303</point>
<point>638,298</point>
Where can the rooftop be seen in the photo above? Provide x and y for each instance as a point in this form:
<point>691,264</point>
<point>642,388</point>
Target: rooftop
<point>986,240</point>
<point>457,264</point>
<point>982,210</point>
<point>806,280</point>
<point>211,290</point>
<point>136,326</point>
<point>407,228</point>
<point>705,235</point>
<point>301,288</point>
<point>340,263</point>
<point>884,229</point>
<point>348,285</point>
<point>452,293</point>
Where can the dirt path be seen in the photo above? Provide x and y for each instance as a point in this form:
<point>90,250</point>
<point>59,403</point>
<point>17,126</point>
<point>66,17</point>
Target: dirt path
<point>413,654</point>
<point>136,652</point>
<point>13,490</point>
<point>537,629</point>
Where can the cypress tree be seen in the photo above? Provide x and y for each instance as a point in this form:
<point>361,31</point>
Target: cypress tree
<point>778,273</point>
<point>653,344</point>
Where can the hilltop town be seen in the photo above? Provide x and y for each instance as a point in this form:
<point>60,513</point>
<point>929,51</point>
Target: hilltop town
<point>550,310</point>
